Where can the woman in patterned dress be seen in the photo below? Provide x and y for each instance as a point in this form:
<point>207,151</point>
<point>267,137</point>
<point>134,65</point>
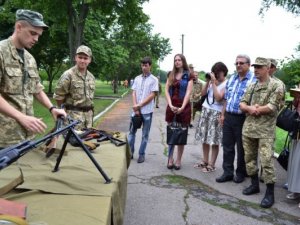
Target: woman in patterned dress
<point>209,128</point>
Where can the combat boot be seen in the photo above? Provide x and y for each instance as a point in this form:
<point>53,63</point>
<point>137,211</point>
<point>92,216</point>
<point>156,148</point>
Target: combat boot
<point>254,187</point>
<point>268,200</point>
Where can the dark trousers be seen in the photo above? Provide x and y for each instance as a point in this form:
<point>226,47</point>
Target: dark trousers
<point>232,135</point>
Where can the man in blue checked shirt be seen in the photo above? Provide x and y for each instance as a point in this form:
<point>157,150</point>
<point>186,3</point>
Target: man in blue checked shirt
<point>144,89</point>
<point>233,119</point>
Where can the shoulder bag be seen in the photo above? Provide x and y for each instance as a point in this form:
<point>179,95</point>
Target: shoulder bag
<point>283,158</point>
<point>287,118</point>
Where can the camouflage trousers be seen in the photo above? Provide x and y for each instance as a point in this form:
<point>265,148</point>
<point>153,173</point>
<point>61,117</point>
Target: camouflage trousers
<point>263,147</point>
<point>86,118</point>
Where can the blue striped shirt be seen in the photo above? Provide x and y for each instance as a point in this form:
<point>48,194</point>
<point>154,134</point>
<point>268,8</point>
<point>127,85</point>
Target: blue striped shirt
<point>143,87</point>
<point>235,89</point>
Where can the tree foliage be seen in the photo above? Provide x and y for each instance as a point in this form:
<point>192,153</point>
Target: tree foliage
<point>118,32</point>
<point>292,6</point>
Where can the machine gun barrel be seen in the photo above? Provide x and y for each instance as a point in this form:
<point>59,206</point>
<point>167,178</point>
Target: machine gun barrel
<point>11,154</point>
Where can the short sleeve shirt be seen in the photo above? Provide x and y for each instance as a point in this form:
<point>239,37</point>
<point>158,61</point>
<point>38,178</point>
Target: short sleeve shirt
<point>143,87</point>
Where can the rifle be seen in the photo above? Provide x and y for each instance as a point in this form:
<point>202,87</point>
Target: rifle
<point>13,153</point>
<point>102,135</point>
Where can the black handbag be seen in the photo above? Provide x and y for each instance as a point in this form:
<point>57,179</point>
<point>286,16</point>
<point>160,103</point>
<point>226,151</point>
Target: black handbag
<point>176,134</point>
<point>287,118</point>
<point>137,121</point>
<point>283,158</point>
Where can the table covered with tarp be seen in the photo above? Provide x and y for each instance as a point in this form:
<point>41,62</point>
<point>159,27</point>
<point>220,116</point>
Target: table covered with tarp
<point>77,193</point>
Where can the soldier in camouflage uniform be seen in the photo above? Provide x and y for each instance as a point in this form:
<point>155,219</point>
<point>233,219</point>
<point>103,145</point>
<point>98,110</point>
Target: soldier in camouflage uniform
<point>196,92</point>
<point>261,104</point>
<point>75,89</point>
<point>272,71</point>
<point>20,82</point>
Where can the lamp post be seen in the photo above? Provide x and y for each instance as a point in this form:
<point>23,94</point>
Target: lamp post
<point>182,43</point>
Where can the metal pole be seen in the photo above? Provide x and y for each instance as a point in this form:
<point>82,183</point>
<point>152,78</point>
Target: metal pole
<point>182,43</point>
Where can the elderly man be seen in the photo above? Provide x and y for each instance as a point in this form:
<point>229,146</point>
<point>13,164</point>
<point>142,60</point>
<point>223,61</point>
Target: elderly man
<point>75,89</point>
<point>20,81</point>
<point>233,119</point>
<point>261,104</point>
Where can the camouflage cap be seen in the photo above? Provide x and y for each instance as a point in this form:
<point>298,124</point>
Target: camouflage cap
<point>84,49</point>
<point>273,62</point>
<point>191,66</point>
<point>32,17</point>
<point>260,61</point>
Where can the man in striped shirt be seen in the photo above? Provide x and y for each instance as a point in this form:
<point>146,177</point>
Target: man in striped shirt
<point>233,119</point>
<point>145,87</point>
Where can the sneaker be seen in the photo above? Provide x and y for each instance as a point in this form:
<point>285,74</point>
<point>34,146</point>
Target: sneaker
<point>293,196</point>
<point>141,159</point>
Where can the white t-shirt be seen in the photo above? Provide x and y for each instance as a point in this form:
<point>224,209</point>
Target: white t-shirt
<point>210,102</point>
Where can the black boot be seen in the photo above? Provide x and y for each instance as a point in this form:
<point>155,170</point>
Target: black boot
<point>254,187</point>
<point>268,200</point>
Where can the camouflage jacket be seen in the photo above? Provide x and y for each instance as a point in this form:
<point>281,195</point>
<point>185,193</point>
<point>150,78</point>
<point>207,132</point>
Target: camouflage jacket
<point>75,89</point>
<point>19,81</point>
<point>282,102</point>
<point>196,92</point>
<point>270,94</point>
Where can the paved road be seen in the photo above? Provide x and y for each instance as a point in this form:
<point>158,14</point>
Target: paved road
<point>158,196</point>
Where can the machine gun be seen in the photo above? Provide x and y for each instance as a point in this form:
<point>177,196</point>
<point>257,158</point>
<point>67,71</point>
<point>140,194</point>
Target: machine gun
<point>13,153</point>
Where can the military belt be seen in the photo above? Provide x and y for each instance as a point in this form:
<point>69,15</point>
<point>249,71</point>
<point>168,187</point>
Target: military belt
<point>79,108</point>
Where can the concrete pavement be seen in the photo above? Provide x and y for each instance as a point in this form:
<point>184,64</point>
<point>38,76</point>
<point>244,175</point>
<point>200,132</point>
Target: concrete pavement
<point>159,196</point>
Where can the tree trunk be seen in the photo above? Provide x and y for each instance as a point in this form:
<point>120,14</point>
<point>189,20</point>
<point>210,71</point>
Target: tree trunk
<point>76,25</point>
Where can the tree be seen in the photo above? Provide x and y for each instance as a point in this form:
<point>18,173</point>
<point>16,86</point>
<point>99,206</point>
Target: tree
<point>118,33</point>
<point>292,6</point>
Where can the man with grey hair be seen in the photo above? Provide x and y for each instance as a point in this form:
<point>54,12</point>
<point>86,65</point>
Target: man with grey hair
<point>233,119</point>
<point>20,81</point>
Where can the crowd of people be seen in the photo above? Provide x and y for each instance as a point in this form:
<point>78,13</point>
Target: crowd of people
<point>238,114</point>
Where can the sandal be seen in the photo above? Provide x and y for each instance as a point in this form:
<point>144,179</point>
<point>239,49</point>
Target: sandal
<point>208,169</point>
<point>201,165</point>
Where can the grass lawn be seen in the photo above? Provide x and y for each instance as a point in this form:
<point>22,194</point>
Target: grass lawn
<point>102,88</point>
<point>280,139</point>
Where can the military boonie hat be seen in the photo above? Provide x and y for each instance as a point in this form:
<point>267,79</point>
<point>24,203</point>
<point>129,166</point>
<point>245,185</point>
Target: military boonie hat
<point>273,62</point>
<point>32,17</point>
<point>84,49</point>
<point>191,66</point>
<point>260,61</point>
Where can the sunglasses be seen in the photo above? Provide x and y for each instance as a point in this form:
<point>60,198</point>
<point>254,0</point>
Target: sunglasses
<point>240,63</point>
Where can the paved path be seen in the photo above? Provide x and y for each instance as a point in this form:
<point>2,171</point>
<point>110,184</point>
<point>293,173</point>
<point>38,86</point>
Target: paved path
<point>158,196</point>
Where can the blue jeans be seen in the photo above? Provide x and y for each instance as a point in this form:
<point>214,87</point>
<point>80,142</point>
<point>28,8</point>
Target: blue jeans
<point>147,120</point>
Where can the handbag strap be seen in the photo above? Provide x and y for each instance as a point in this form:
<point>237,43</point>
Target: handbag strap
<point>287,141</point>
